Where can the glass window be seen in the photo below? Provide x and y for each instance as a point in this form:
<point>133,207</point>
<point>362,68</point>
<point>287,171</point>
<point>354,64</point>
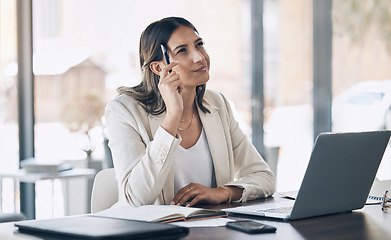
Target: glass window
<point>367,98</point>
<point>75,56</point>
<point>288,88</point>
<point>85,49</point>
<point>9,141</point>
<point>361,69</point>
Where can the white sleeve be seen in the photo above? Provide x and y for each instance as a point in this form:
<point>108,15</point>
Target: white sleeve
<point>142,165</point>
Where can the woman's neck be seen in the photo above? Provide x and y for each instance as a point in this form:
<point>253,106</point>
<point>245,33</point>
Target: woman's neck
<point>188,97</point>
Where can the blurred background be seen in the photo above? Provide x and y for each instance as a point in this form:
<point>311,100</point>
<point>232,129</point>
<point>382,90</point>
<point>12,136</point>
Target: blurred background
<point>83,50</point>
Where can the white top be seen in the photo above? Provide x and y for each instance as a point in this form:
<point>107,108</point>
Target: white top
<point>194,165</point>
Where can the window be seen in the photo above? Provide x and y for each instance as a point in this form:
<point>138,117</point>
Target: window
<point>85,49</point>
<point>81,59</point>
<point>361,69</point>
<point>9,140</point>
<point>288,88</point>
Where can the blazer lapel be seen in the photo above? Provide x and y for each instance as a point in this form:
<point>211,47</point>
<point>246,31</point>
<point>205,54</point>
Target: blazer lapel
<point>215,135</point>
<point>217,143</point>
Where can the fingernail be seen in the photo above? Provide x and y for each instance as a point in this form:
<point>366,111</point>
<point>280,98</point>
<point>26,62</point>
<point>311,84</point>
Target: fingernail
<point>188,205</point>
<point>178,204</point>
<point>172,203</point>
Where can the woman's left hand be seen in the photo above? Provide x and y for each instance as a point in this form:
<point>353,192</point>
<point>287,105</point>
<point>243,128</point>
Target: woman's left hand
<point>196,193</point>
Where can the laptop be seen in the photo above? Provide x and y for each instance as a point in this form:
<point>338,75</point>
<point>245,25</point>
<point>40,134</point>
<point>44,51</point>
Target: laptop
<point>338,178</point>
<point>94,227</point>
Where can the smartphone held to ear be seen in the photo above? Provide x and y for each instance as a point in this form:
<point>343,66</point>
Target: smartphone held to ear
<point>248,226</point>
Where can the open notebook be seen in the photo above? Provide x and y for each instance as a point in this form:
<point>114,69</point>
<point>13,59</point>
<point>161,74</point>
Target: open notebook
<point>161,213</point>
<point>338,178</point>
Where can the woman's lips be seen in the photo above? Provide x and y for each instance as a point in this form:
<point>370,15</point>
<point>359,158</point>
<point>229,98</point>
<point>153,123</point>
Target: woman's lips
<point>201,69</point>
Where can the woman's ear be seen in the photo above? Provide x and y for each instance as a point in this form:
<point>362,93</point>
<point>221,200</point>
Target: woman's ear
<point>155,67</point>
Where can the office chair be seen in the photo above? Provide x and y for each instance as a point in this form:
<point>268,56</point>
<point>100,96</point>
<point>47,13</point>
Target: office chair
<point>104,190</point>
<point>108,160</point>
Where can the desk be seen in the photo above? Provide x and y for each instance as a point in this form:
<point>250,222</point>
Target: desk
<point>27,177</point>
<point>367,223</point>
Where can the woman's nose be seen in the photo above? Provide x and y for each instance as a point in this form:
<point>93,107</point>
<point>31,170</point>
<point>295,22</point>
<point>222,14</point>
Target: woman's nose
<point>198,56</point>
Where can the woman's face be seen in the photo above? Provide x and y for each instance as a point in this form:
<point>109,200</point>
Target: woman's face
<point>187,47</point>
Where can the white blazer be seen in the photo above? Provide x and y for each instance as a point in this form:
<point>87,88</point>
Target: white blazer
<point>143,152</point>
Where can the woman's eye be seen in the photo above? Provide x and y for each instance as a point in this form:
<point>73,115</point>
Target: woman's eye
<point>181,50</point>
<point>199,44</point>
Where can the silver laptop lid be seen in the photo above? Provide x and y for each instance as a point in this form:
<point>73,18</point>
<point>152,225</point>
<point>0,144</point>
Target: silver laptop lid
<point>340,173</point>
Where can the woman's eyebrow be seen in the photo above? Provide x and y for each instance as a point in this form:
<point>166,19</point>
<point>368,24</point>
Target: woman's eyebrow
<point>180,46</point>
<point>184,45</point>
<point>199,39</point>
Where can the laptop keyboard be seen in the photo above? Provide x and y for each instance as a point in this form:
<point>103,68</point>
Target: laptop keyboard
<point>277,210</point>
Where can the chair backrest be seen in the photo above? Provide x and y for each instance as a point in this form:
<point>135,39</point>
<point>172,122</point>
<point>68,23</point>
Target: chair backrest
<point>104,190</point>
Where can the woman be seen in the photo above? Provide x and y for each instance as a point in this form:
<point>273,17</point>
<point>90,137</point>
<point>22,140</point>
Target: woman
<point>173,141</point>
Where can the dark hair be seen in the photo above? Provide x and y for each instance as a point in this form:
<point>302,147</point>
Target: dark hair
<point>147,92</point>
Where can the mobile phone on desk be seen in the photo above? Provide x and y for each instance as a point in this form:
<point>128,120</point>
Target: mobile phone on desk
<point>249,226</point>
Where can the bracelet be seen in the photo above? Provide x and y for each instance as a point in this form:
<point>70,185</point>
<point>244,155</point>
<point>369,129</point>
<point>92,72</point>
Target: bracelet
<point>229,194</point>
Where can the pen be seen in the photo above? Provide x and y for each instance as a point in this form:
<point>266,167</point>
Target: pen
<point>165,54</point>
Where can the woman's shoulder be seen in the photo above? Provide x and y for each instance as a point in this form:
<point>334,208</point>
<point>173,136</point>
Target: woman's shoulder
<point>122,99</point>
<point>124,102</point>
<point>215,98</point>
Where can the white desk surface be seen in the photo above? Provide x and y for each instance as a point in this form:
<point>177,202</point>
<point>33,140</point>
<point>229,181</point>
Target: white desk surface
<point>32,177</point>
<point>7,232</point>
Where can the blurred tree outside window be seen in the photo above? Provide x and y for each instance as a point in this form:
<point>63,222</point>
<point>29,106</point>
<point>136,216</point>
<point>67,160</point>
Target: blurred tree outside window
<point>362,69</point>
<point>83,114</point>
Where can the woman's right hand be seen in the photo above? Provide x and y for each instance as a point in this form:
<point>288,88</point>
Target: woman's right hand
<point>170,87</point>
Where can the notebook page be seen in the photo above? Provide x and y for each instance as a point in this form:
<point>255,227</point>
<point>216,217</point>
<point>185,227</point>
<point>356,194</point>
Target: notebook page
<point>147,212</point>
